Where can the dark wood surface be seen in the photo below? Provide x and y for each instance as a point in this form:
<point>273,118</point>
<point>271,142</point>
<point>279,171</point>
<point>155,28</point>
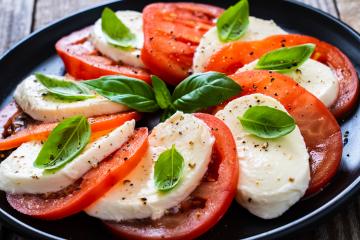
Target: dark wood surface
<point>18,18</point>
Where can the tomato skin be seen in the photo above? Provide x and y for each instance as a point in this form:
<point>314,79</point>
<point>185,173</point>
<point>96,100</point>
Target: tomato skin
<point>236,54</point>
<point>219,194</point>
<point>95,183</point>
<point>83,61</point>
<point>172,32</point>
<point>321,132</point>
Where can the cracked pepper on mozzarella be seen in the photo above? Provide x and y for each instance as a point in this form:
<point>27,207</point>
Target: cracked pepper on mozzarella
<point>131,19</point>
<point>274,173</point>
<point>18,174</point>
<point>136,197</point>
<point>315,77</point>
<point>31,96</point>
<point>258,29</point>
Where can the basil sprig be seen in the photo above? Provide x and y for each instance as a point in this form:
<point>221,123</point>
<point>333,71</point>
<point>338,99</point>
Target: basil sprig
<point>115,31</point>
<point>62,89</point>
<point>285,59</point>
<point>267,122</point>
<point>233,23</point>
<point>162,93</point>
<point>134,93</point>
<point>168,169</point>
<point>64,144</point>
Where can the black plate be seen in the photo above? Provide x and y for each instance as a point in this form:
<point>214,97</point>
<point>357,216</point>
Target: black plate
<point>36,53</point>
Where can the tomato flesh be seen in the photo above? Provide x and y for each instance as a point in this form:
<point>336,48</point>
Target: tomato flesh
<point>172,31</point>
<point>83,61</point>
<point>92,186</point>
<point>234,55</point>
<point>206,205</point>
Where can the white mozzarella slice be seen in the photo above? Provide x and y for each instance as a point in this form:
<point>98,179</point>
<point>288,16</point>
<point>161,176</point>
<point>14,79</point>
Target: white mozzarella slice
<point>274,173</point>
<point>131,19</point>
<point>258,29</point>
<point>31,96</point>
<point>137,197</point>
<point>18,174</point>
<point>315,77</point>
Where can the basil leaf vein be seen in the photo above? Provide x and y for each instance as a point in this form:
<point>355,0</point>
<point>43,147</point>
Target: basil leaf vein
<point>62,89</point>
<point>267,122</point>
<point>162,94</point>
<point>64,143</point>
<point>134,93</point>
<point>202,90</point>
<point>168,169</point>
<point>233,23</point>
<point>285,59</point>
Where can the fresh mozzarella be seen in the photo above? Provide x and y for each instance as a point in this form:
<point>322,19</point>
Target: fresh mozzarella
<point>137,197</point>
<point>315,77</point>
<point>18,174</point>
<point>258,29</point>
<point>274,173</point>
<point>31,96</point>
<point>131,19</point>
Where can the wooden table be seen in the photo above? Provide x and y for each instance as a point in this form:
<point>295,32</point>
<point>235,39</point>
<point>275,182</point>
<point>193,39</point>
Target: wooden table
<point>18,18</point>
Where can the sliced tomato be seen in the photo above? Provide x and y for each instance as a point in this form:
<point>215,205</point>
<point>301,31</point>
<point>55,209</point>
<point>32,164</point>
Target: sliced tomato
<point>236,54</point>
<point>206,205</point>
<point>41,131</point>
<point>87,190</point>
<point>83,61</point>
<point>172,31</point>
<point>318,126</point>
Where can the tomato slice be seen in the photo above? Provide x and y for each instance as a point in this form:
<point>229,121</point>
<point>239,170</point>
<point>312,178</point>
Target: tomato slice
<point>83,61</point>
<point>236,54</point>
<point>42,131</point>
<point>206,205</point>
<point>87,190</point>
<point>172,32</point>
<point>318,126</point>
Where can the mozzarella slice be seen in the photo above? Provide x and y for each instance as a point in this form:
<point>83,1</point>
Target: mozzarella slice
<point>18,175</point>
<point>315,77</point>
<point>31,96</point>
<point>137,197</point>
<point>258,29</point>
<point>131,19</point>
<point>274,173</point>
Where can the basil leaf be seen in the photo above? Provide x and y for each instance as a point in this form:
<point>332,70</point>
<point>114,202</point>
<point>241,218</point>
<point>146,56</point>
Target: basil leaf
<point>233,23</point>
<point>115,31</point>
<point>65,142</point>
<point>202,90</point>
<point>64,89</point>
<point>168,169</point>
<point>286,59</point>
<point>134,93</point>
<point>162,94</point>
<point>267,122</point>
<point>166,114</point>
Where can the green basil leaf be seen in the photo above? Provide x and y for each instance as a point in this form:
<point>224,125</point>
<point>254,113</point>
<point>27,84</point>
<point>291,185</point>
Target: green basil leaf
<point>233,23</point>
<point>115,31</point>
<point>202,90</point>
<point>64,143</point>
<point>67,90</point>
<point>162,94</point>
<point>168,169</point>
<point>285,59</point>
<point>267,122</point>
<point>134,93</point>
<point>166,114</point>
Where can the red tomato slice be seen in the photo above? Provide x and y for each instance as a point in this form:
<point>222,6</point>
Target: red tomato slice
<point>318,126</point>
<point>172,32</point>
<point>83,61</point>
<point>236,54</point>
<point>206,205</point>
<point>87,190</point>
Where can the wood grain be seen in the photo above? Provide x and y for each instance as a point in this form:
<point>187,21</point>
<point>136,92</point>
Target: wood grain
<point>350,13</point>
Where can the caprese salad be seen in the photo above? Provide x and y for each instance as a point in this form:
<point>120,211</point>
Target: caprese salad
<point>252,116</point>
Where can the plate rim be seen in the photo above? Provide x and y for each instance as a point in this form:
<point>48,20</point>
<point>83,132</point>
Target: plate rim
<point>294,226</point>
